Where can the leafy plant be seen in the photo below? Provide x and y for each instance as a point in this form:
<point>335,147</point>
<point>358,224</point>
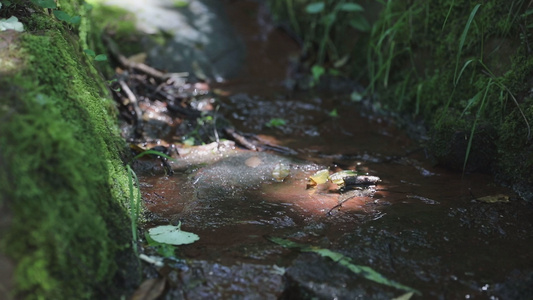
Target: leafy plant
<point>135,194</point>
<point>276,122</point>
<point>63,16</point>
<point>99,57</point>
<point>333,113</point>
<point>165,250</point>
<point>328,18</point>
<point>326,23</point>
<point>59,14</point>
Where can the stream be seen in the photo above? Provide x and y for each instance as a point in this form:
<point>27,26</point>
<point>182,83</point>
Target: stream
<point>422,226</point>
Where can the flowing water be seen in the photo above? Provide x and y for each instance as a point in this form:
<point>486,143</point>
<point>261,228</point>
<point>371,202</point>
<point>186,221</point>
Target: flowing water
<point>423,226</point>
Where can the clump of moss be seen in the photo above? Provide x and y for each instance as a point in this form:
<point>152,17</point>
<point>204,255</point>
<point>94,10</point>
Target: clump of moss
<point>62,177</point>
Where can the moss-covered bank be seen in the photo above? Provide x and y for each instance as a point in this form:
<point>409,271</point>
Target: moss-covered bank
<point>62,183</point>
<point>463,67</point>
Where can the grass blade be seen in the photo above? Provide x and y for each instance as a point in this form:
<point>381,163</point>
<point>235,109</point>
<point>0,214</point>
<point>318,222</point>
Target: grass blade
<point>473,130</point>
<point>462,40</point>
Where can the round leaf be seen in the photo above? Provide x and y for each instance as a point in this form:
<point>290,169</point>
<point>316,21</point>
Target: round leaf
<point>173,235</point>
<point>62,16</point>
<point>101,57</point>
<point>89,52</point>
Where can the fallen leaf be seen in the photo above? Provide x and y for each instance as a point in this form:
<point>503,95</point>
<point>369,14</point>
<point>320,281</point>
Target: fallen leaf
<point>319,177</point>
<point>173,235</point>
<point>280,172</point>
<point>500,198</point>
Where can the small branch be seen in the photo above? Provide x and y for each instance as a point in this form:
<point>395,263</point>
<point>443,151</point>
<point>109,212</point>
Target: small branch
<point>113,49</point>
<point>240,139</point>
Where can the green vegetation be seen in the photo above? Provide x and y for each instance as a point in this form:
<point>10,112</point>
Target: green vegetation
<point>276,122</point>
<point>462,67</point>
<point>330,31</point>
<point>346,262</point>
<point>62,177</point>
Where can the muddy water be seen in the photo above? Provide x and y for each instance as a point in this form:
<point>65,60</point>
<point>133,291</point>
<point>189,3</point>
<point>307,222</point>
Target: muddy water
<point>422,226</point>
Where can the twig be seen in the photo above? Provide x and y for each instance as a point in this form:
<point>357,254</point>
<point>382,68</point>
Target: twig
<point>113,49</point>
<point>133,100</point>
<point>240,139</point>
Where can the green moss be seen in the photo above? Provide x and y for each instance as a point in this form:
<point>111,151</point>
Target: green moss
<point>62,177</point>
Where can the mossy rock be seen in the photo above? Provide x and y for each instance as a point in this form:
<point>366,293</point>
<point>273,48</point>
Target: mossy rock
<point>63,184</point>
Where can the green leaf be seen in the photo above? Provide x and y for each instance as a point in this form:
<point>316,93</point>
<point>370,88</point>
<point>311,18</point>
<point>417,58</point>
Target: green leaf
<point>276,122</point>
<point>62,16</point>
<point>360,23</point>
<point>315,8</point>
<point>351,7</point>
<point>405,296</point>
<point>345,261</point>
<point>151,152</point>
<point>189,141</point>
<point>334,113</point>
<point>89,52</point>
<point>181,3</point>
<point>75,20</point>
<point>101,57</point>
<point>317,72</point>
<point>356,96</point>
<point>164,250</point>
<point>172,235</point>
<point>45,3</point>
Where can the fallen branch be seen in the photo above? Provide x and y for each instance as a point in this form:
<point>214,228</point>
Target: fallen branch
<point>126,63</point>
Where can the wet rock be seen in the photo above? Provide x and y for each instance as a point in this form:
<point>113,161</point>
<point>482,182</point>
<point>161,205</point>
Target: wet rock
<point>516,286</point>
<point>313,277</point>
<point>210,280</point>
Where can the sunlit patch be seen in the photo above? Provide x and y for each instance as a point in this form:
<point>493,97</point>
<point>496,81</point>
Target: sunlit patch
<point>253,162</point>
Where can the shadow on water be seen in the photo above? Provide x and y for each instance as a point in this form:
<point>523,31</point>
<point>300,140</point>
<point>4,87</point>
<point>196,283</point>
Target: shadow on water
<point>422,226</point>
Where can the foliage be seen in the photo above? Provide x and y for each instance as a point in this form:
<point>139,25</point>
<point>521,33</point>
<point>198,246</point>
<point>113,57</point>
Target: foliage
<point>345,261</point>
<point>276,122</point>
<point>434,61</point>
<point>409,57</point>
<point>327,25</point>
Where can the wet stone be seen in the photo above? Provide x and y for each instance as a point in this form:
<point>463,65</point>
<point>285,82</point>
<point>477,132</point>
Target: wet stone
<point>210,280</point>
<point>313,277</point>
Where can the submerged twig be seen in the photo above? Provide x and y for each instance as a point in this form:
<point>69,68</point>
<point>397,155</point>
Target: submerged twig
<point>240,139</point>
<point>350,195</point>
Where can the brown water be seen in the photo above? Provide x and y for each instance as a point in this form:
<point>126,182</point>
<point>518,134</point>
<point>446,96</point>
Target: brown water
<point>422,227</point>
